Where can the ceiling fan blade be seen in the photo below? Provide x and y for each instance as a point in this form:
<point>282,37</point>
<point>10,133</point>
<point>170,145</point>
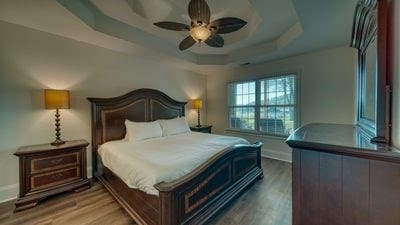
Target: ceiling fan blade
<point>215,40</point>
<point>227,25</point>
<point>199,11</point>
<point>172,26</point>
<point>187,43</point>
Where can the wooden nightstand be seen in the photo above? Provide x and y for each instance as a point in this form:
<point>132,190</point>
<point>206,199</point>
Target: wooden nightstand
<point>202,128</point>
<point>45,170</point>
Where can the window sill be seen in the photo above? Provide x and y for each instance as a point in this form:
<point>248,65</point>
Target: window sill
<point>256,134</point>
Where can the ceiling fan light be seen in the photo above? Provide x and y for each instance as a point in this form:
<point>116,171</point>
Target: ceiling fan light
<point>200,33</point>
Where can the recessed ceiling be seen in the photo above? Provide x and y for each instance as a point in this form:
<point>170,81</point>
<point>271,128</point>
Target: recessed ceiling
<point>143,13</point>
<point>275,29</point>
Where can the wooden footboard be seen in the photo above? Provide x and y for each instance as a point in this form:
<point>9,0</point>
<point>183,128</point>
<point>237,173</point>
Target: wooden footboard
<point>192,199</point>
<point>142,207</point>
<point>196,197</point>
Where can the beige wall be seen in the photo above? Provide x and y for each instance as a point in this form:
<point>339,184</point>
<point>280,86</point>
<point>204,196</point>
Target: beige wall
<point>327,91</point>
<point>396,73</point>
<point>32,60</point>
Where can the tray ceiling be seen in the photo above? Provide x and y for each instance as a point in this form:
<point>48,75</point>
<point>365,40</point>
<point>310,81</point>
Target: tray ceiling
<point>275,29</point>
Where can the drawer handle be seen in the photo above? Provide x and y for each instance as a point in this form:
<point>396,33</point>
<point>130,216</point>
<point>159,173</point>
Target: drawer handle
<point>56,161</point>
<point>56,176</point>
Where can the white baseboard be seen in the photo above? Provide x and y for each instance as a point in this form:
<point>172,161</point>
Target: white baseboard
<point>278,155</point>
<point>89,172</point>
<point>9,192</point>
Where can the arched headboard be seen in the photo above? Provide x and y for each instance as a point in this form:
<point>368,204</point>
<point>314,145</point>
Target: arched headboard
<point>142,105</point>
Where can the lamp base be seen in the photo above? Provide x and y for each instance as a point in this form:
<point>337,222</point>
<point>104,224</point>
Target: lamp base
<point>198,118</point>
<point>57,142</point>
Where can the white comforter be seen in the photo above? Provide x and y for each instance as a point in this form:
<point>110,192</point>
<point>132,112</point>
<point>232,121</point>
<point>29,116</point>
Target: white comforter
<point>143,164</point>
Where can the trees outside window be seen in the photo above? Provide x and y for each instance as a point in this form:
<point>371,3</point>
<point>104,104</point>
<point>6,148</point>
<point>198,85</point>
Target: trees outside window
<point>265,106</point>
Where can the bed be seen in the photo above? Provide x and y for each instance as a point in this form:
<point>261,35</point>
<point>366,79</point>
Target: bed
<point>191,199</point>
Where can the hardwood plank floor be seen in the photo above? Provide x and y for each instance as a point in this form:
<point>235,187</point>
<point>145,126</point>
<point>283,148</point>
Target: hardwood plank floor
<point>268,202</point>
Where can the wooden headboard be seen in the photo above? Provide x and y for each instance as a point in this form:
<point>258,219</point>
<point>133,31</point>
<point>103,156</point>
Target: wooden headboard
<point>142,105</point>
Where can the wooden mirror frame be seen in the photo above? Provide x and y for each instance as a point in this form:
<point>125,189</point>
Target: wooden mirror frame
<point>371,21</point>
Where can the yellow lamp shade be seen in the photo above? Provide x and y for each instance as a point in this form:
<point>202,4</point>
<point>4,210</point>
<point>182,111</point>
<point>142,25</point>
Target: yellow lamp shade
<point>197,104</point>
<point>56,99</point>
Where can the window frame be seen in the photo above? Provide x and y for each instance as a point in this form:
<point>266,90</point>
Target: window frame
<point>243,106</point>
<point>258,105</point>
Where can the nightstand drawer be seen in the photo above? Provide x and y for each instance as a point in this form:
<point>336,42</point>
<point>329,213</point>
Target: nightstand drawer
<point>54,178</point>
<point>46,170</point>
<point>49,163</point>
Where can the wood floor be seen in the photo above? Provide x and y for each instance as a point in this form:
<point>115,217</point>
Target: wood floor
<point>268,202</point>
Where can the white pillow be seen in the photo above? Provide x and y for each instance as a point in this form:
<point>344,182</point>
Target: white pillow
<point>174,126</point>
<point>137,131</point>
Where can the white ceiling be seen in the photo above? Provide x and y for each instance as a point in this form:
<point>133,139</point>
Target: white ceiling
<point>275,29</point>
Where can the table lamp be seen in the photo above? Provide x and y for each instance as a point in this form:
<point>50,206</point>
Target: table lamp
<point>57,99</point>
<point>197,104</point>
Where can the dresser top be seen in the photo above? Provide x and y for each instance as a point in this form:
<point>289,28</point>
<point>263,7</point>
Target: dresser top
<point>48,147</point>
<point>341,139</point>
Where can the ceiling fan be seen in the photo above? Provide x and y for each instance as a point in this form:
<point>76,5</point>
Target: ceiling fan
<point>201,29</point>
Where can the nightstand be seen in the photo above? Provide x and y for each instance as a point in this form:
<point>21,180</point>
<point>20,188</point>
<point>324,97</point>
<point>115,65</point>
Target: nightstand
<point>46,170</point>
<point>202,128</point>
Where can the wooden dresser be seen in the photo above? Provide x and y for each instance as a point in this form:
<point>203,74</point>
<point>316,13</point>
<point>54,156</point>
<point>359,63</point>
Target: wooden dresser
<point>45,170</point>
<point>340,178</point>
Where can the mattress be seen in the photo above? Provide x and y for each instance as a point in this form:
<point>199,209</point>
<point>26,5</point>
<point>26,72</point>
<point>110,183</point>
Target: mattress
<point>143,164</point>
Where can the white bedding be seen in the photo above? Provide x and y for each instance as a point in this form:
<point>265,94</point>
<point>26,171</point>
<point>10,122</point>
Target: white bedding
<point>143,164</point>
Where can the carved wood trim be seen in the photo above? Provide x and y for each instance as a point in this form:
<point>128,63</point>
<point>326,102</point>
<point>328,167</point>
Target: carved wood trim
<point>123,194</point>
<point>56,161</point>
<point>171,200</point>
<point>364,24</point>
<point>122,104</point>
<point>371,21</point>
<point>55,178</point>
<point>228,152</point>
<point>190,207</point>
<point>253,163</point>
<point>105,112</point>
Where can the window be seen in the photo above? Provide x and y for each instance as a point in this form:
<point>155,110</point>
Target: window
<point>264,106</point>
<point>242,104</point>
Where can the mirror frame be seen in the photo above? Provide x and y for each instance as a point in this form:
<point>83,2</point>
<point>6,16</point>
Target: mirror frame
<point>363,78</point>
<point>371,21</point>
